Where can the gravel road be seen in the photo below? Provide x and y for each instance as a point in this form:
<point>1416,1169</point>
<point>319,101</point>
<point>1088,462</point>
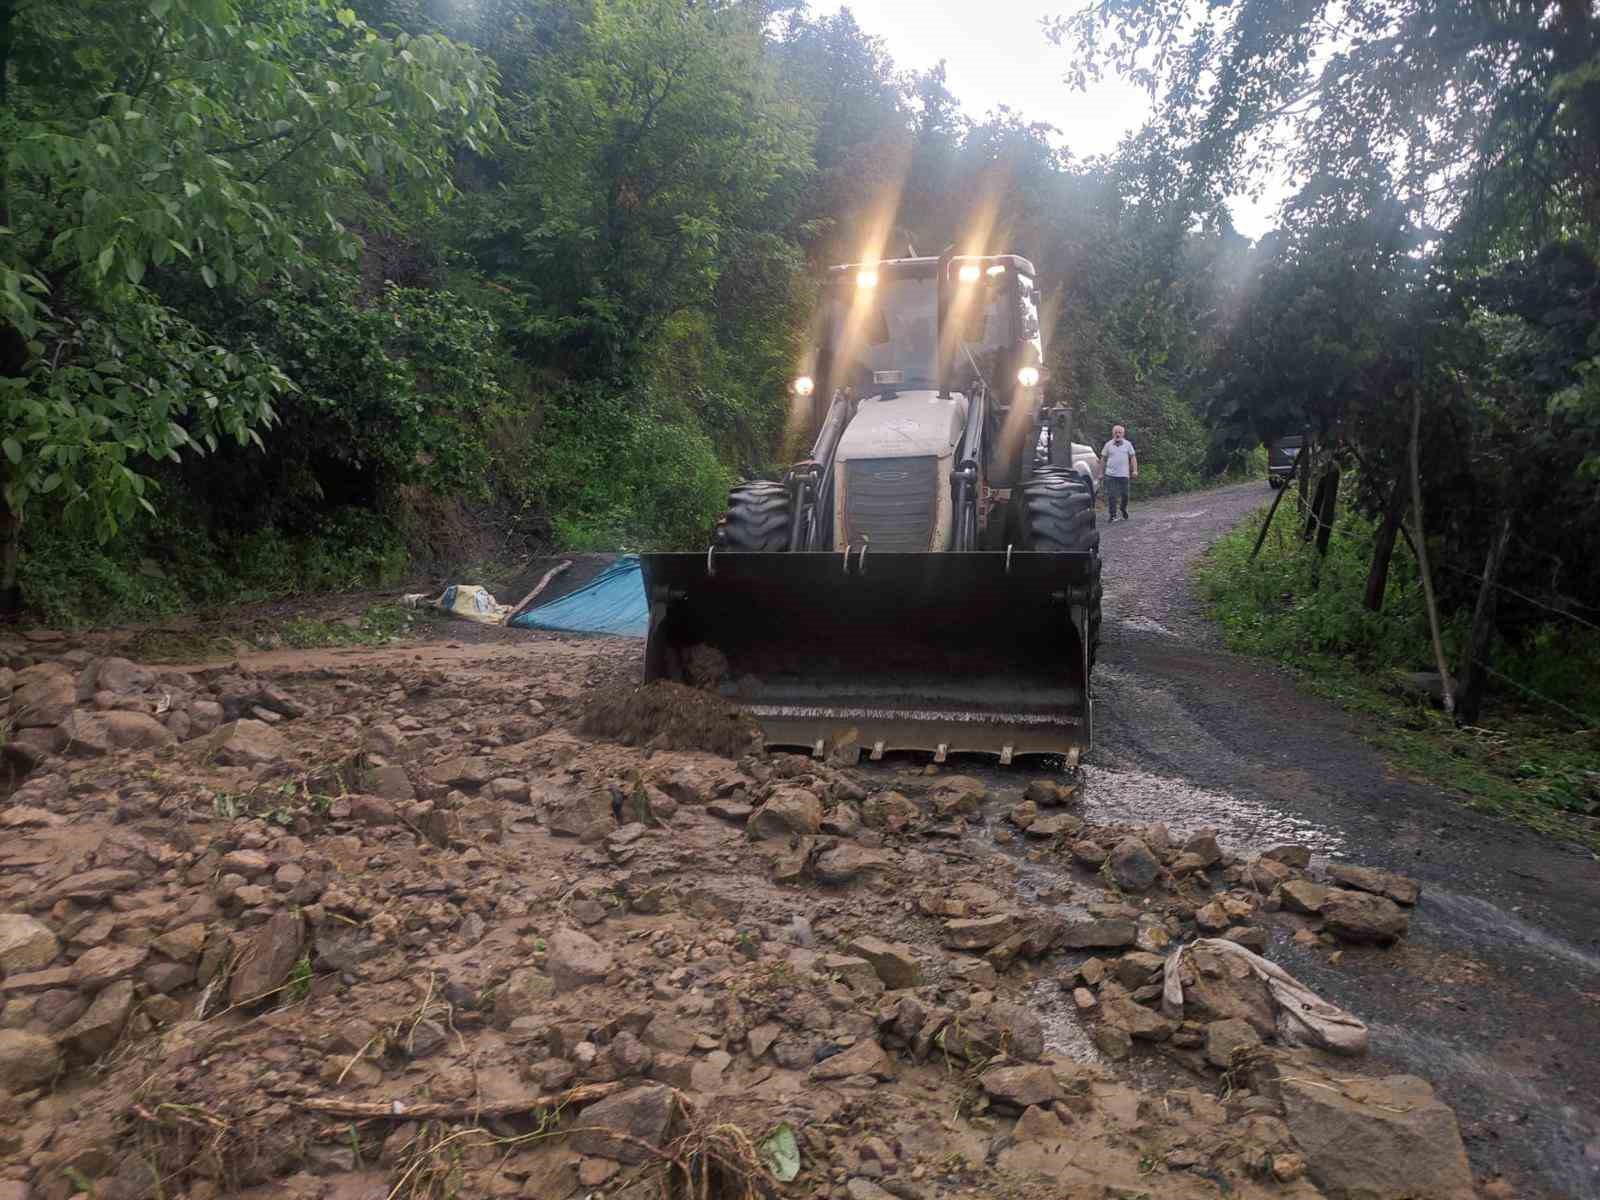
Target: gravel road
<point>1496,994</point>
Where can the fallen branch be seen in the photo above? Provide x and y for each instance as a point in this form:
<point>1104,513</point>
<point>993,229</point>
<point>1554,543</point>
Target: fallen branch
<point>440,1110</point>
<point>543,583</point>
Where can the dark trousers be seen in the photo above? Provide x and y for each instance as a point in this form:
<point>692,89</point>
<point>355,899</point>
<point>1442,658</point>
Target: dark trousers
<point>1116,489</point>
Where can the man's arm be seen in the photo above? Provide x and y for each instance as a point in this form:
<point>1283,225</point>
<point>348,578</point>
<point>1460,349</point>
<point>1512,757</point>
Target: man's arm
<point>1133,464</point>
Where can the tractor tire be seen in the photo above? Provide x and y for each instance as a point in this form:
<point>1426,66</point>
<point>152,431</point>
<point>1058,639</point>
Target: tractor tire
<point>1058,516</point>
<point>757,518</point>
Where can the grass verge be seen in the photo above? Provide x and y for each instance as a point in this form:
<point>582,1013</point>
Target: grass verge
<point>1527,761</point>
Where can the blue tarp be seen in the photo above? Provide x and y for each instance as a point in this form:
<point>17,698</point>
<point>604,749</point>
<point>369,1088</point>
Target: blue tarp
<point>612,602</point>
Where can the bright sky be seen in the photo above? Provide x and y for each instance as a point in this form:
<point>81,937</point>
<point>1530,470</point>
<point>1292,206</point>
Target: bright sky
<point>996,53</point>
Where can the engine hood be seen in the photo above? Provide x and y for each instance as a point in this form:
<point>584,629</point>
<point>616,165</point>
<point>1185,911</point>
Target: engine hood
<point>910,425</point>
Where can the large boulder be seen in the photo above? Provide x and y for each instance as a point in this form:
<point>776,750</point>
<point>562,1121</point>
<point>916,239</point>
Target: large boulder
<point>1133,865</point>
<point>1369,1139</point>
<point>42,697</point>
<point>1021,1087</point>
<point>574,959</point>
<point>894,962</point>
<point>979,933</point>
<point>26,944</point>
<point>27,1060</point>
<point>1364,917</point>
<point>847,862</point>
<point>630,1126</point>
<point>787,812</point>
<point>99,1029</point>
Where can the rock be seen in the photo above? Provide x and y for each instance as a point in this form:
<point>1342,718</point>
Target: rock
<point>99,1029</point>
<point>866,1057</point>
<point>1055,825</point>
<point>1187,864</point>
<point>1226,1038</point>
<point>1376,1137</point>
<point>469,773</point>
<point>1212,917</point>
<point>847,862</point>
<point>1251,937</point>
<point>91,886</point>
<point>118,676</point>
<point>101,733</point>
<point>1364,917</point>
<point>1021,1087</point>
<point>1112,1041</point>
<point>1106,933</point>
<point>1134,970</point>
<point>42,697</point>
<point>843,820</point>
<point>1089,854</point>
<point>1133,866</point>
<point>20,816</point>
<point>979,933</point>
<point>666,1032</point>
<point>1024,814</point>
<point>27,1060</point>
<point>1083,998</point>
<point>788,811</point>
<point>1047,793</point>
<point>521,994</point>
<point>1204,846</point>
<point>890,811</point>
<point>574,959</point>
<point>1267,873</point>
<point>760,1038</point>
<point>26,944</point>
<point>957,795</point>
<point>204,717</point>
<point>105,965</point>
<point>730,810</point>
<point>248,863</point>
<point>247,743</point>
<point>894,962</point>
<point>1296,856</point>
<point>1381,883</point>
<point>30,749</point>
<point>1224,988</point>
<point>36,981</point>
<point>269,958</point>
<point>1019,1030</point>
<point>630,1126</point>
<point>1119,1009</point>
<point>1303,896</point>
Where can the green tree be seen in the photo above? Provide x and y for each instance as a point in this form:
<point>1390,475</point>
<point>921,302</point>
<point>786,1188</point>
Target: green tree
<point>213,140</point>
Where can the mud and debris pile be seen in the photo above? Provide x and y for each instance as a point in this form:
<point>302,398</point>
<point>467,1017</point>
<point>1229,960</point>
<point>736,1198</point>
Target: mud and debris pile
<point>401,931</point>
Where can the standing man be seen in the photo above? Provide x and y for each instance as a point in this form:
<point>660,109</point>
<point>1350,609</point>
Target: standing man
<point>1122,464</point>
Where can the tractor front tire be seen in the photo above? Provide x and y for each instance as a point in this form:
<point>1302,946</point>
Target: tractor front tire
<point>757,518</point>
<point>1058,517</point>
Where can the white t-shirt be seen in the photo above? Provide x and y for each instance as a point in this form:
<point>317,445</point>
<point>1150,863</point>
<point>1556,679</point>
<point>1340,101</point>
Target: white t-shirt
<point>1116,458</point>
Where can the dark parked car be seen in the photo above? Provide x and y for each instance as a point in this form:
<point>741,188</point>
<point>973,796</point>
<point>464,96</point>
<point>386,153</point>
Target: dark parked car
<point>1280,459</point>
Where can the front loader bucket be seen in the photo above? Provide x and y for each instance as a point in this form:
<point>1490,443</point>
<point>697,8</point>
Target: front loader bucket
<point>947,653</point>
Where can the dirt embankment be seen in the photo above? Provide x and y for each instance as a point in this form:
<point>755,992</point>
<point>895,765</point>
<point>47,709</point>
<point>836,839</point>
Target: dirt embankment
<point>389,926</point>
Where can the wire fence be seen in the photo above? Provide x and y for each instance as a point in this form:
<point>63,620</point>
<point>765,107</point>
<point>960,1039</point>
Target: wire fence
<point>1304,511</point>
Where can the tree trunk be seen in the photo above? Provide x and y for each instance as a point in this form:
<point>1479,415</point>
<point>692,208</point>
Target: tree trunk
<point>1329,491</point>
<point>1383,548</point>
<point>1474,660</point>
<point>1306,455</point>
<point>1419,547</point>
<point>1313,510</point>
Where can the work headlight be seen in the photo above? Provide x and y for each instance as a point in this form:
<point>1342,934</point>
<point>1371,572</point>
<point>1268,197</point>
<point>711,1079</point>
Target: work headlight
<point>1028,376</point>
<point>804,386</point>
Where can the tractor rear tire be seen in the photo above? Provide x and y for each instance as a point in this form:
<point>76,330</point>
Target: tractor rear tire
<point>1058,517</point>
<point>757,518</point>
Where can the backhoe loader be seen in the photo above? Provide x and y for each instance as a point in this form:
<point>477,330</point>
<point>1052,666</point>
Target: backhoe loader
<point>928,578</point>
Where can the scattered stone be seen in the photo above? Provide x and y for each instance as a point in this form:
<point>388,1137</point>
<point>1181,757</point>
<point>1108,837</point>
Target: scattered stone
<point>979,933</point>
<point>1293,855</point>
<point>1119,1009</point>
<point>1047,793</point>
<point>470,773</point>
<point>1089,854</point>
<point>1021,1087</point>
<point>247,743</point>
<point>27,1060</point>
<point>1106,933</point>
<point>1054,826</point>
<point>1133,865</point>
<point>890,811</point>
<point>42,697</point>
<point>1112,1041</point>
<point>1265,874</point>
<point>269,959</point>
<point>1251,937</point>
<point>846,862</point>
<point>1083,998</point>
<point>1364,917</point>
<point>1024,814</point>
<point>1382,883</point>
<point>1204,846</point>
<point>99,1029</point>
<point>630,1126</point>
<point>895,964</point>
<point>866,1057</point>
<point>26,944</point>
<point>1212,917</point>
<point>575,959</point>
<point>1303,896</point>
<point>91,886</point>
<point>958,795</point>
<point>104,965</point>
<point>1226,1038</point>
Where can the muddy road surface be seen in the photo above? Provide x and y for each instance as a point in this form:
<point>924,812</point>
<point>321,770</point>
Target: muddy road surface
<point>1496,993</point>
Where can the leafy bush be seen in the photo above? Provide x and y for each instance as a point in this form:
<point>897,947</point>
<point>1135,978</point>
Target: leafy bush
<point>618,470</point>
